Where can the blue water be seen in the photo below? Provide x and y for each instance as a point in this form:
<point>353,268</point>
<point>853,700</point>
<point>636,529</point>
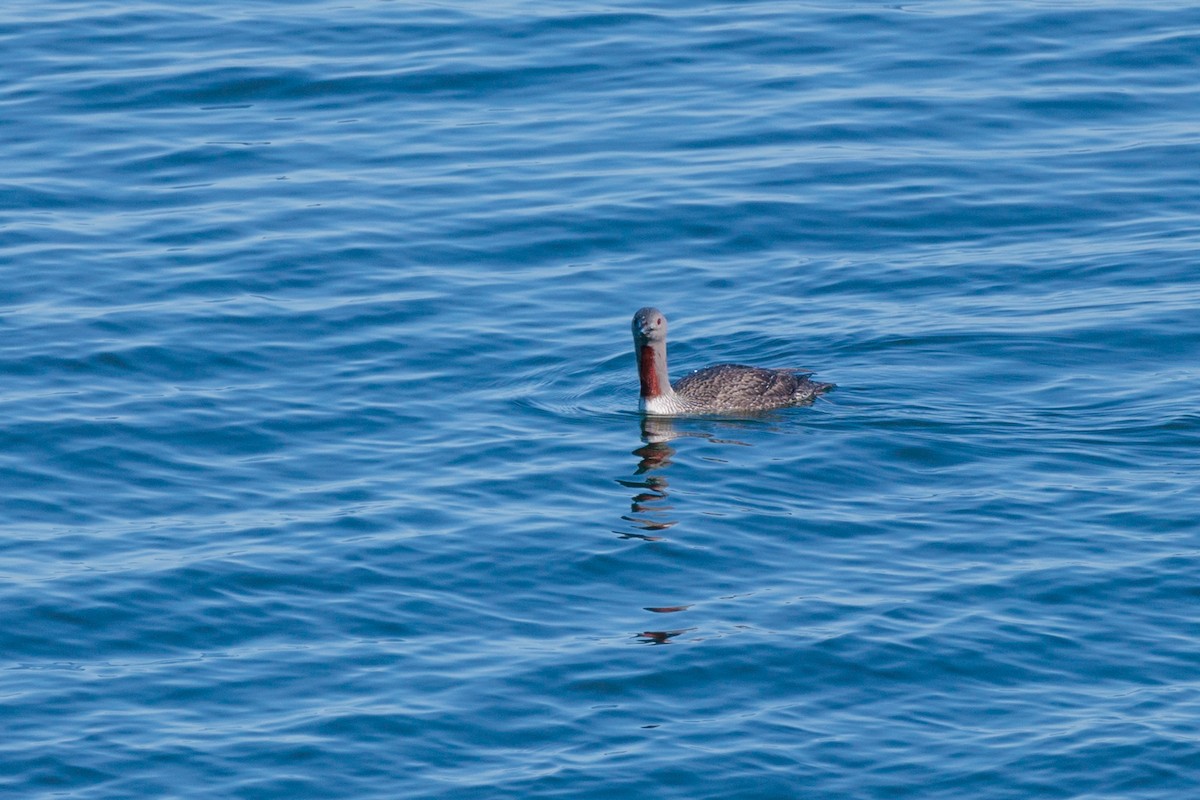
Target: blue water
<point>320,465</point>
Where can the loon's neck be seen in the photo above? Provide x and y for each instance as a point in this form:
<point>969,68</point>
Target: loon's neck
<point>657,394</point>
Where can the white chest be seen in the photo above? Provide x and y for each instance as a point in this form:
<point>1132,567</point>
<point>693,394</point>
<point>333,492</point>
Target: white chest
<point>663,404</point>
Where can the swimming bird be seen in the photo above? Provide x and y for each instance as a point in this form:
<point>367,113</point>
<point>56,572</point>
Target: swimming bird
<point>722,388</point>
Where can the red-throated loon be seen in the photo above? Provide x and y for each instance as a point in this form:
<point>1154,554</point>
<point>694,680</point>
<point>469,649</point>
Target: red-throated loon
<point>723,388</point>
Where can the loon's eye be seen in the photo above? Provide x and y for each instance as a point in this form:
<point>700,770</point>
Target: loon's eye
<point>658,321</point>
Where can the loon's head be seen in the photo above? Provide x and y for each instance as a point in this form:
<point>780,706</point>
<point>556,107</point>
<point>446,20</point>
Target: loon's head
<point>649,326</point>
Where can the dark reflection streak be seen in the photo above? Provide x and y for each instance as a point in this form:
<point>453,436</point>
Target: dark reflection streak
<point>648,525</point>
<point>643,537</point>
<point>660,637</point>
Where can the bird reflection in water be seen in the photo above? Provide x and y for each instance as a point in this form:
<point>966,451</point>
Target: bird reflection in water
<point>649,506</point>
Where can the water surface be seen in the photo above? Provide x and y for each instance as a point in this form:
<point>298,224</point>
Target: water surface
<point>322,470</point>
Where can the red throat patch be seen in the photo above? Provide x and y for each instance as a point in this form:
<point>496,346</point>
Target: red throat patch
<point>647,373</point>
